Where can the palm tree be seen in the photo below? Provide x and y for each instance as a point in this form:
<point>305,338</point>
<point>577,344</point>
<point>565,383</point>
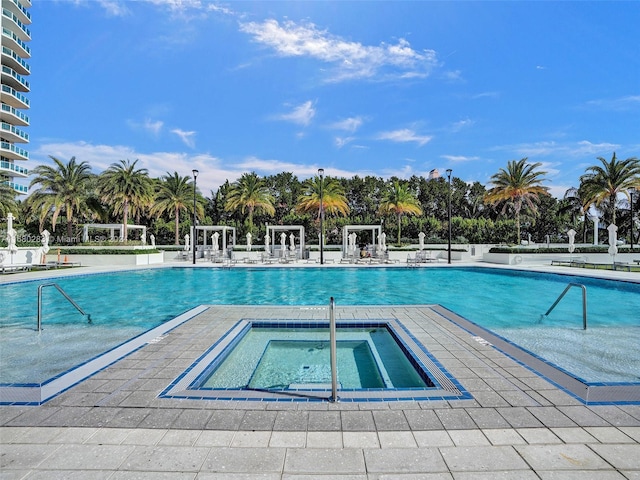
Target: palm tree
<point>7,200</point>
<point>602,184</point>
<point>517,186</point>
<point>250,194</point>
<point>399,201</point>
<point>334,201</point>
<point>174,195</point>
<point>63,187</point>
<point>125,187</point>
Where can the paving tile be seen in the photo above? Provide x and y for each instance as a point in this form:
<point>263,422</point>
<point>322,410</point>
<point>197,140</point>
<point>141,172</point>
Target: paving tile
<point>551,417</point>
<point>397,440</point>
<point>519,417</point>
<point>538,435</point>
<point>561,457</point>
<point>633,432</point>
<point>582,475</point>
<point>390,420</point>
<point>504,436</point>
<point>423,420</point>
<point>479,459</point>
<point>404,460</point>
<point>583,416</point>
<point>215,438</point>
<point>66,475</point>
<point>328,461</point>
<point>225,420</point>
<point>358,421</point>
<point>288,439</point>
<point>180,438</point>
<point>192,419</point>
<point>468,438</point>
<point>487,418</point>
<point>434,438</point>
<point>244,460</point>
<point>88,457</point>
<point>108,436</point>
<point>144,436</point>
<point>25,456</point>
<point>360,440</point>
<point>150,476</point>
<point>251,439</point>
<point>506,475</point>
<point>291,420</point>
<point>326,439</point>
<point>258,420</point>
<point>239,476</point>
<point>324,421</point>
<point>574,435</point>
<point>455,419</point>
<point>622,457</point>
<point>160,418</point>
<point>616,416</point>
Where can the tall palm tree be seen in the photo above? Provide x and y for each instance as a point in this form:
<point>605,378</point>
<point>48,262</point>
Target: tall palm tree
<point>602,183</point>
<point>63,187</point>
<point>174,194</point>
<point>250,194</point>
<point>334,201</point>
<point>517,186</point>
<point>398,200</point>
<point>7,200</point>
<point>125,187</point>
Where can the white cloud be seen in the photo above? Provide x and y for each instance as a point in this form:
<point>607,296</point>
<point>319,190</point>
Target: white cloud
<point>342,141</point>
<point>404,135</point>
<point>348,124</point>
<point>148,125</point>
<point>459,158</point>
<point>301,115</point>
<point>623,103</point>
<point>351,60</point>
<point>582,148</point>
<point>187,137</point>
<point>457,126</point>
<point>114,8</point>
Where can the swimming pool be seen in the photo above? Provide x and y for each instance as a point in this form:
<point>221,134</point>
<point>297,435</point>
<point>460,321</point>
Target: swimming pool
<point>507,302</point>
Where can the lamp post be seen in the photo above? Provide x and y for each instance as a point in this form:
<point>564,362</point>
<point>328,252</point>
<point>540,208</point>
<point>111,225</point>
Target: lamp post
<point>321,175</point>
<point>449,239</point>
<point>632,191</point>
<point>193,234</point>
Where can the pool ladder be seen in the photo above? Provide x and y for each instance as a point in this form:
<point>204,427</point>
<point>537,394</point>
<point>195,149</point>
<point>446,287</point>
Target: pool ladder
<point>64,294</point>
<point>584,303</point>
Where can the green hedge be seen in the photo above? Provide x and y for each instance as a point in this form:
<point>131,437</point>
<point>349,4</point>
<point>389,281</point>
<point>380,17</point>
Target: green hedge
<point>100,251</point>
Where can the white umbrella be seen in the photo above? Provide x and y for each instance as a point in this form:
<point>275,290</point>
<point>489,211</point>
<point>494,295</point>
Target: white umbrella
<point>266,244</point>
<point>283,242</point>
<point>248,242</point>
<point>11,234</point>
<point>215,246</point>
<point>187,244</point>
<point>572,238</point>
<point>421,240</point>
<point>613,239</point>
<point>292,241</point>
<point>384,241</point>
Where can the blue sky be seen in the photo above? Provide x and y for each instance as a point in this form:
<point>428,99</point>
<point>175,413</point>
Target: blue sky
<point>357,88</point>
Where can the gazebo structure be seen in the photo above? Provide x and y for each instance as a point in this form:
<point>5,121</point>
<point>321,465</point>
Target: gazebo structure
<point>347,230</point>
<point>276,244</point>
<point>206,248</point>
<point>113,227</point>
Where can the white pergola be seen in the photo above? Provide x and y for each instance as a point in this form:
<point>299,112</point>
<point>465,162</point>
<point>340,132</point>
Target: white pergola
<point>375,230</point>
<point>273,229</point>
<point>225,229</point>
<point>112,227</point>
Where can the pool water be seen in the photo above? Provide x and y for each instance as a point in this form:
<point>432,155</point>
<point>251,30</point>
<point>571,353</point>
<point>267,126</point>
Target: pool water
<point>508,302</point>
<point>290,358</point>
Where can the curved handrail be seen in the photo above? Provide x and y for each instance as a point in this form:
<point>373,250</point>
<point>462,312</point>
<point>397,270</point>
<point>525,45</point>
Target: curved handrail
<point>584,302</point>
<point>332,341</point>
<point>64,294</point>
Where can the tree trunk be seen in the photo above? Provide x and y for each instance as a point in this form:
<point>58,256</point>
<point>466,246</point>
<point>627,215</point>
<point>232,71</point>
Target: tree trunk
<point>125,219</point>
<point>177,227</point>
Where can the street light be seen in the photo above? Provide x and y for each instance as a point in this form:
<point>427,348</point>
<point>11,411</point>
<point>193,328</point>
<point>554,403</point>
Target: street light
<point>449,240</point>
<point>193,234</point>
<point>321,175</point>
<point>632,191</point>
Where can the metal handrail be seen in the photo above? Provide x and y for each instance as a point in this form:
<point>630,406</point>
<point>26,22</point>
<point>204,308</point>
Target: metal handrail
<point>332,341</point>
<point>584,302</point>
<point>64,294</point>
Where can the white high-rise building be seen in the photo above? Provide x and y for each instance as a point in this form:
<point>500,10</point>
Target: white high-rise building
<point>15,70</point>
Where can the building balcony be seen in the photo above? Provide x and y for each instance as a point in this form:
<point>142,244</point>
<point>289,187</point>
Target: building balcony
<point>12,41</point>
<point>11,78</point>
<point>22,13</point>
<point>15,117</point>
<point>13,134</point>
<point>12,170</point>
<point>9,150</point>
<point>17,187</point>
<point>20,28</point>
<point>11,59</point>
<point>14,98</point>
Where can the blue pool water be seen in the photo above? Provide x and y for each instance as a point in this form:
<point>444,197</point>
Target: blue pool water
<point>507,302</point>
